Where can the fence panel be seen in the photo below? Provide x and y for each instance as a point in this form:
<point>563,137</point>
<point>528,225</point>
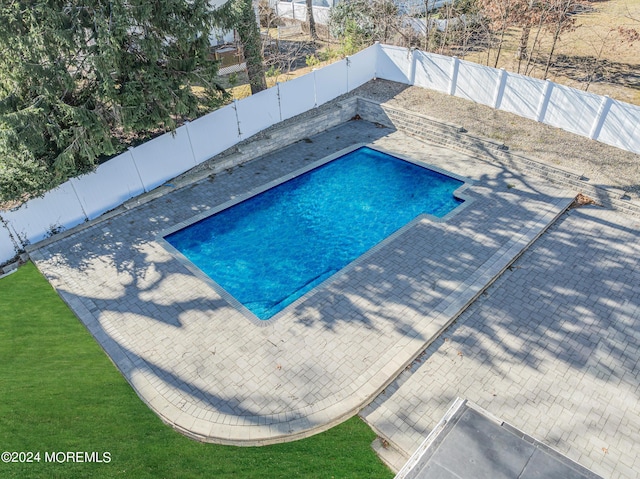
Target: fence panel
<point>163,158</point>
<point>38,218</point>
<point>113,183</point>
<point>284,9</point>
<point>321,15</point>
<point>257,112</point>
<point>331,81</point>
<point>393,63</point>
<point>621,127</point>
<point>476,82</point>
<point>299,11</point>
<point>362,66</point>
<point>433,71</point>
<point>522,95</point>
<point>419,25</point>
<point>213,133</point>
<point>297,96</point>
<point>572,110</point>
<point>7,250</point>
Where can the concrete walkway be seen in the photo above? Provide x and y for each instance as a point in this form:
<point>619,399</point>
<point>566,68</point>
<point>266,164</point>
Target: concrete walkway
<point>215,376</point>
<point>553,348</point>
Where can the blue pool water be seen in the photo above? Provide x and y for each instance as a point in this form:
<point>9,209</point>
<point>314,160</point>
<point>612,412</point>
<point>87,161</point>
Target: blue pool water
<point>272,248</point>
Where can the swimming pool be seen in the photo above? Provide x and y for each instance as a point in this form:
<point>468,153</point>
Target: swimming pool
<point>269,249</point>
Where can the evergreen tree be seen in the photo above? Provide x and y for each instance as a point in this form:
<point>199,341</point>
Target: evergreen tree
<point>240,15</point>
<point>78,79</point>
<point>359,23</point>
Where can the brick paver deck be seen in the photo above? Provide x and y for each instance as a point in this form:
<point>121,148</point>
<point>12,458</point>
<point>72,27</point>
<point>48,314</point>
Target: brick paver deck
<point>552,347</point>
<point>212,374</point>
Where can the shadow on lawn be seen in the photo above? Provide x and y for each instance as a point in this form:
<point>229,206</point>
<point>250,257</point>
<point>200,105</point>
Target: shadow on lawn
<point>570,294</point>
<point>593,70</point>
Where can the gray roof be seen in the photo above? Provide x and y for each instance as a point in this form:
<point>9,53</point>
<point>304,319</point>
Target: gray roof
<point>469,443</point>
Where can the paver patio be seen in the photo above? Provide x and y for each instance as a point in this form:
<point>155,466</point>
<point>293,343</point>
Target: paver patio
<point>552,348</point>
<point>212,374</point>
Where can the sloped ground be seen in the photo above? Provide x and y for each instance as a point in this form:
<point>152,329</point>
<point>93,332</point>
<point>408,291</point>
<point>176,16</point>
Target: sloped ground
<point>558,347</point>
<point>210,372</point>
<point>601,164</point>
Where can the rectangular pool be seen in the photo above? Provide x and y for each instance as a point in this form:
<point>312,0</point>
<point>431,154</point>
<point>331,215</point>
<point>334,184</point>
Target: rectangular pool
<point>268,250</point>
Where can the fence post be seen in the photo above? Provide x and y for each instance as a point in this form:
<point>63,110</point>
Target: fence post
<point>375,64</point>
<point>346,59</point>
<point>193,152</point>
<point>544,101</point>
<point>412,67</point>
<point>455,65</point>
<point>235,108</point>
<point>135,165</point>
<point>279,100</point>
<point>315,88</point>
<point>75,192</point>
<point>500,86</point>
<point>293,10</point>
<point>603,111</point>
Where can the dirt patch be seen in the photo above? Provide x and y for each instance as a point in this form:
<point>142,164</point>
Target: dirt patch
<point>599,163</point>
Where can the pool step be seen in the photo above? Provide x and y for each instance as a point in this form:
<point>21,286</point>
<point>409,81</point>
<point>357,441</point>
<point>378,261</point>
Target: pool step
<point>456,138</point>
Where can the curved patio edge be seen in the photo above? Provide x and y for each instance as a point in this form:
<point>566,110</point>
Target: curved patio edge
<point>174,408</point>
<point>218,432</point>
<point>147,326</point>
<point>195,422</point>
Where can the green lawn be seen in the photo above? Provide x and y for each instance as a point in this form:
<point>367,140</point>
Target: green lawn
<point>60,392</point>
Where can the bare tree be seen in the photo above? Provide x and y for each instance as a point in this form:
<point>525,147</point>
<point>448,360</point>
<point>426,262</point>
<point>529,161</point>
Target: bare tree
<point>561,14</point>
<point>502,15</point>
<point>542,18</point>
<point>448,17</point>
<point>594,65</point>
<point>287,57</point>
<point>427,24</point>
<point>358,23</point>
<point>311,21</point>
<point>530,17</point>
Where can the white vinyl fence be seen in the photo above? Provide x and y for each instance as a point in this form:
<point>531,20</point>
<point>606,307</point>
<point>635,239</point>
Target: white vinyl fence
<point>298,11</point>
<point>153,163</point>
<point>7,249</point>
<point>593,116</point>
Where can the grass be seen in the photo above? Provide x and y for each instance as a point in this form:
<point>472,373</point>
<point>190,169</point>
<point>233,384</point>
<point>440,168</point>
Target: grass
<point>59,392</point>
<point>595,45</point>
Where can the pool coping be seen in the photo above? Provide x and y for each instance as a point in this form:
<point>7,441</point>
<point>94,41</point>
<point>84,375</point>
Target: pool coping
<point>326,416</point>
<point>251,317</point>
<point>197,422</point>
